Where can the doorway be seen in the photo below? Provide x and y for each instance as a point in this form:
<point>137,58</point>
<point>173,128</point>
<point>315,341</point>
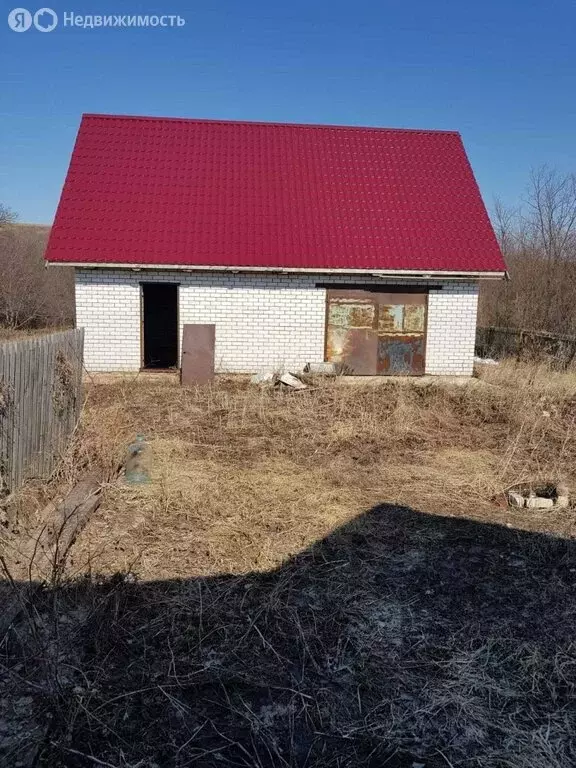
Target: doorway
<point>159,325</point>
<point>377,332</point>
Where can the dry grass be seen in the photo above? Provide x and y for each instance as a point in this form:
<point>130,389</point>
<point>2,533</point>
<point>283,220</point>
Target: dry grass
<point>532,378</point>
<point>244,478</point>
<point>17,334</point>
<point>311,579</point>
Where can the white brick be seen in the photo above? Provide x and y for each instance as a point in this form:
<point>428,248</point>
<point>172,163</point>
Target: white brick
<point>262,320</point>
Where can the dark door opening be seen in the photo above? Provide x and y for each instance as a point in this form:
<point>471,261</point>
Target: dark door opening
<point>160,325</point>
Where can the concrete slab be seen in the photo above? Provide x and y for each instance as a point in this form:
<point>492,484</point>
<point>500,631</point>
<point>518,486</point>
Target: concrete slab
<point>416,381</point>
<point>353,381</point>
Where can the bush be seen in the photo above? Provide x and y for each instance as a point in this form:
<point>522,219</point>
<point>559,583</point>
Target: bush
<point>31,293</point>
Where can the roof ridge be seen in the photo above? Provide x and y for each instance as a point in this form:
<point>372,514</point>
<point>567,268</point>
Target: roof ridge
<point>271,124</point>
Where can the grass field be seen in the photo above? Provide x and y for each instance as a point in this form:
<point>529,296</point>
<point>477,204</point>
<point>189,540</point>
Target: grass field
<point>311,579</point>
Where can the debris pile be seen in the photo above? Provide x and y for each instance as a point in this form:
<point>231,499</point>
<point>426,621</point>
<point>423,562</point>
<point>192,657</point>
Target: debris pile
<point>275,379</point>
<point>539,497</point>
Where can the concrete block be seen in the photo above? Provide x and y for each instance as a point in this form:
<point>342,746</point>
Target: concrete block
<point>326,369</point>
<point>539,502</point>
<point>516,499</point>
<point>263,377</point>
<point>292,381</point>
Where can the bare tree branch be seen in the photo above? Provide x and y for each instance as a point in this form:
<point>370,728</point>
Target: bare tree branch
<point>551,212</point>
<point>7,216</point>
<point>539,244</point>
<point>30,294</point>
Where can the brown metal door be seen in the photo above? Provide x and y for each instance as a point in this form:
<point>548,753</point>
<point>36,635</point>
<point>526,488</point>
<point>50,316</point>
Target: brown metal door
<point>372,332</point>
<point>401,334</point>
<point>198,342</point>
<point>351,337</point>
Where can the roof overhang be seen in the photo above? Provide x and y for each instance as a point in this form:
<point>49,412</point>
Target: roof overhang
<point>414,274</point>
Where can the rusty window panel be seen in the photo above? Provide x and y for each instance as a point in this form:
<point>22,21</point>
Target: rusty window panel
<point>414,316</point>
<point>390,318</point>
<point>352,315</point>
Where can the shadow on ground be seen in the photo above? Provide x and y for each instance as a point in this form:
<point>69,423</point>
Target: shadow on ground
<point>400,639</point>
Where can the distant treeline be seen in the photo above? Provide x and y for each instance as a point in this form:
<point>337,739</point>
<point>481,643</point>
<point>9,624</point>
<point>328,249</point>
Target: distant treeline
<point>31,295</point>
<point>539,244</point>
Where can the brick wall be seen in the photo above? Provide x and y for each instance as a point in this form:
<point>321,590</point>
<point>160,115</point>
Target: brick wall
<point>451,331</point>
<point>262,320</point>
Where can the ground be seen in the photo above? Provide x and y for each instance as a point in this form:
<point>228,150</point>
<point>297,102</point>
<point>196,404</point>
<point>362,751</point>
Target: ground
<point>316,578</point>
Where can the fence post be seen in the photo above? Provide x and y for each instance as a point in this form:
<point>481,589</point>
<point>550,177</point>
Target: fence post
<point>500,342</point>
<point>40,396</point>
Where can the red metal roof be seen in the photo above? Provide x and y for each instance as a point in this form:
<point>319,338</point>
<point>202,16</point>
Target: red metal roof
<point>166,191</point>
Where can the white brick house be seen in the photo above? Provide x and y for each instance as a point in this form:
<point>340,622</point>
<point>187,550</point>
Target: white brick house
<point>261,320</point>
<point>298,243</point>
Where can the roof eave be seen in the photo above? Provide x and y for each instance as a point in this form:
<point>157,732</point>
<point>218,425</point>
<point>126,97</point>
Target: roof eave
<point>384,273</point>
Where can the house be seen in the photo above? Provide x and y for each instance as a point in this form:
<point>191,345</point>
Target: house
<point>300,243</point>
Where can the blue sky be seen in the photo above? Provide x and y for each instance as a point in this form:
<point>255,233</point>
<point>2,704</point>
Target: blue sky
<point>503,73</point>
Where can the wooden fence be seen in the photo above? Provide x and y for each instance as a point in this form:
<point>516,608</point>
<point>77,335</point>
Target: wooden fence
<point>40,401</point>
<point>525,345</point>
